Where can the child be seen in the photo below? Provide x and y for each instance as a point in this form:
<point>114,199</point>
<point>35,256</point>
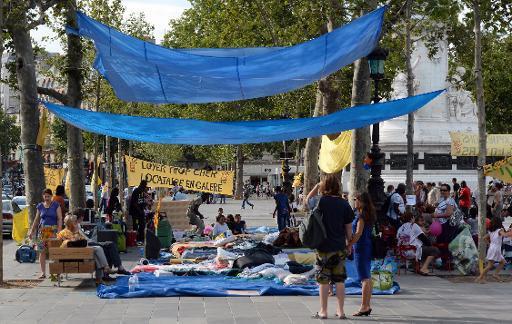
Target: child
<point>220,212</point>
<point>495,236</point>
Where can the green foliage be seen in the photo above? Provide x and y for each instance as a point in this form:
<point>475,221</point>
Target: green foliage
<point>9,134</point>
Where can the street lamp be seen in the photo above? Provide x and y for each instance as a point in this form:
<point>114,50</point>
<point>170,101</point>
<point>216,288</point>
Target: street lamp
<point>375,183</point>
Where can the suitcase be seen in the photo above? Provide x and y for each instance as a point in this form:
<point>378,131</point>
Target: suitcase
<point>131,238</point>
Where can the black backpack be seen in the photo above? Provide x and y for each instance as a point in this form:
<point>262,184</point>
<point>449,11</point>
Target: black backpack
<point>312,230</point>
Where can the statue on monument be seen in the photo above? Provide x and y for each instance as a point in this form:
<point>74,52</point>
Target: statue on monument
<point>460,102</point>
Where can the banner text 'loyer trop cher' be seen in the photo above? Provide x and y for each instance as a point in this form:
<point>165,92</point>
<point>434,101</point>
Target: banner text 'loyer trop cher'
<point>162,176</point>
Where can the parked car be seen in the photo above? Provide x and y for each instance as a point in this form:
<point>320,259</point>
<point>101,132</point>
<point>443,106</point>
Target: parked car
<point>9,208</point>
<point>21,201</point>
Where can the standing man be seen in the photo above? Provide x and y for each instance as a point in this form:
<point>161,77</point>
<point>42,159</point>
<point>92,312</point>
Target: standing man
<point>137,205</point>
<point>194,216</point>
<point>247,194</point>
<point>282,209</point>
<point>397,205</point>
<point>456,188</point>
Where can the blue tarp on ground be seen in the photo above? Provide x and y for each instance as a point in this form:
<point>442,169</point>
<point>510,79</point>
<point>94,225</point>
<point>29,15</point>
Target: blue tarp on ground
<point>199,132</point>
<point>141,71</point>
<point>215,286</point>
<point>220,286</point>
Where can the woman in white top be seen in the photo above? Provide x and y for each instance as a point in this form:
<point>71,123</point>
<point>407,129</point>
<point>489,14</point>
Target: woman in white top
<point>444,210</point>
<point>220,227</point>
<point>411,233</point>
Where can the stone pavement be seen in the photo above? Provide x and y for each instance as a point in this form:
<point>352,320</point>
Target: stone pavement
<point>421,300</point>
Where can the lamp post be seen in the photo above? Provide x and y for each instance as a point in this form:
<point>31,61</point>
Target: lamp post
<point>375,183</point>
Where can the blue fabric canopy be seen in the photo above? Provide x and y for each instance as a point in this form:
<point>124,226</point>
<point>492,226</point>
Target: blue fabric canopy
<point>141,71</point>
<point>199,132</point>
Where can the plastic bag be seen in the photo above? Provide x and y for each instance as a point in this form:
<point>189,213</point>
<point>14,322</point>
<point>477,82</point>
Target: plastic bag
<point>382,280</point>
<point>221,253</point>
<point>295,279</point>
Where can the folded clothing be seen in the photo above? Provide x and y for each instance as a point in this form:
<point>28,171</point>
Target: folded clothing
<point>296,268</point>
<point>295,279</point>
<point>303,258</point>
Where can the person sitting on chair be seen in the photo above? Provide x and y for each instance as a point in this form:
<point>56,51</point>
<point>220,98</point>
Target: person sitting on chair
<point>72,234</point>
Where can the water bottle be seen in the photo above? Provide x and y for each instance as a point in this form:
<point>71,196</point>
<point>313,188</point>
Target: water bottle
<point>133,283</point>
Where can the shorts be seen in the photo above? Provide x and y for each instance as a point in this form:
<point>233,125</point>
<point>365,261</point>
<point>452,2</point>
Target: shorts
<point>45,233</point>
<point>330,267</point>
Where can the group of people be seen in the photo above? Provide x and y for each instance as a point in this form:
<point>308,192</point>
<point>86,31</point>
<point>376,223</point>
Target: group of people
<point>228,225</point>
<point>48,224</point>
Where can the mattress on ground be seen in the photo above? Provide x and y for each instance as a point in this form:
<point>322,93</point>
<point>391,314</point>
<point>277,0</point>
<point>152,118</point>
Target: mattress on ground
<point>216,286</point>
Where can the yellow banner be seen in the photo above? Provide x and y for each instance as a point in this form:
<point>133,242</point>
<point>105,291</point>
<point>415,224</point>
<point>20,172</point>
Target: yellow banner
<point>500,170</point>
<point>335,155</point>
<point>466,144</point>
<point>43,127</point>
<point>162,176</point>
<point>53,177</point>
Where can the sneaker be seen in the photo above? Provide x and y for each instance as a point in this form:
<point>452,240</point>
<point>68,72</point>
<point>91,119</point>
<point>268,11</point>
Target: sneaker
<point>124,272</point>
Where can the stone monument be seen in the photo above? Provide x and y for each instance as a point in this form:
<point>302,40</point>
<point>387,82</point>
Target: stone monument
<point>453,110</point>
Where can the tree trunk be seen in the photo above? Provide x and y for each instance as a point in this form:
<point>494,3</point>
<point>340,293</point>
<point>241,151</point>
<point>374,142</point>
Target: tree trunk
<point>120,167</point>
<point>361,136</point>
<point>482,133</point>
<point>108,162</point>
<point>311,152</point>
<point>94,183</point>
<point>1,159</point>
<point>410,92</point>
<point>75,149</point>
<point>29,112</point>
<point>239,182</point>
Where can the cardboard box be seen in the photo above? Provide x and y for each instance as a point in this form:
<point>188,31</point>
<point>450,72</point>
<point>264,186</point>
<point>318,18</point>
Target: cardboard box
<point>86,266</point>
<point>70,267</point>
<point>56,267</point>
<point>54,243</point>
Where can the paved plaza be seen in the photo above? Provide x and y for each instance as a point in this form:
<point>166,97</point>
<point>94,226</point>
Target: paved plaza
<point>421,299</point>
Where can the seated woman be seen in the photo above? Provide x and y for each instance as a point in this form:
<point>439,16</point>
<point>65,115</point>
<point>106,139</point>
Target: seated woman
<point>71,234</point>
<point>220,226</point>
<point>238,226</point>
<point>412,234</point>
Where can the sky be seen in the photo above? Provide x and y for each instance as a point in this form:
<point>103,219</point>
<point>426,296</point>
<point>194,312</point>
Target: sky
<point>158,13</point>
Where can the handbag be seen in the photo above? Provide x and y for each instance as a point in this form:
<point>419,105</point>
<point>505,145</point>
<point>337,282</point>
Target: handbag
<point>457,217</point>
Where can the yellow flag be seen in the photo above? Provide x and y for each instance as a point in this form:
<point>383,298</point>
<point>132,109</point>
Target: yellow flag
<point>500,170</point>
<point>43,127</point>
<point>20,226</point>
<point>336,154</point>
<point>53,177</point>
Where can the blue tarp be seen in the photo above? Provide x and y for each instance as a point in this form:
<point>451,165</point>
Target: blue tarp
<point>141,71</point>
<point>217,286</point>
<point>198,132</point>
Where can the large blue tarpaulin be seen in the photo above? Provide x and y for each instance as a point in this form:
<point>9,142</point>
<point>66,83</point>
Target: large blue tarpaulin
<point>141,71</point>
<point>218,286</point>
<point>199,132</point>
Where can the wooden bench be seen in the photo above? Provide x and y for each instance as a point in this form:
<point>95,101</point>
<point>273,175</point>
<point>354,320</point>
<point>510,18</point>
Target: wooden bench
<point>64,260</point>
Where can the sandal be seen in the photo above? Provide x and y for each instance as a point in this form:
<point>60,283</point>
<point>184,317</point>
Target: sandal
<point>42,276</point>
<point>318,316</point>
<point>341,317</point>
<point>426,274</point>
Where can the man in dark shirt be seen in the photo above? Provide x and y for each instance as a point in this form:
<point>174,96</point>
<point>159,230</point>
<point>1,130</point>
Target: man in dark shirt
<point>137,205</point>
<point>282,209</point>
<point>456,188</point>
